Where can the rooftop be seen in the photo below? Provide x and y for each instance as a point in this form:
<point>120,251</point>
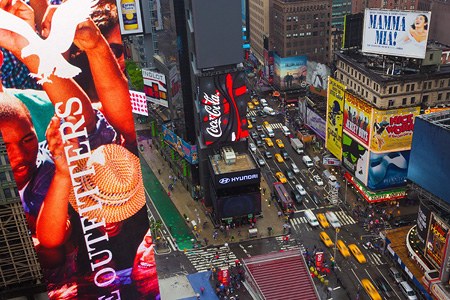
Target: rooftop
<point>243,162</point>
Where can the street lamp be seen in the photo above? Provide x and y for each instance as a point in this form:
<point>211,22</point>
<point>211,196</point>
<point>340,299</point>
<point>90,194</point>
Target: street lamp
<point>335,243</point>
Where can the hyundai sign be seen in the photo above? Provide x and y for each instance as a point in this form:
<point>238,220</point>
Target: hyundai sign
<point>237,178</point>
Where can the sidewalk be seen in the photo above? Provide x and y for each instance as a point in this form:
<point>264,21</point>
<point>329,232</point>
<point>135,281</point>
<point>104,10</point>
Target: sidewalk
<point>185,205</point>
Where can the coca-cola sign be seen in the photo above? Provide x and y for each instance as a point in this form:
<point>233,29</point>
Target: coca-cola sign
<point>223,100</point>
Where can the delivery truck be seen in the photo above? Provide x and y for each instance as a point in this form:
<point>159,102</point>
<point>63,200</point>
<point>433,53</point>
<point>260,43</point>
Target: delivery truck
<point>297,145</point>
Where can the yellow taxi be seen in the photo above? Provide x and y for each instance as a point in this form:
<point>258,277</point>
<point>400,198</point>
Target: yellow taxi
<point>326,239</point>
<point>370,289</point>
<point>250,105</point>
<point>322,220</point>
<point>269,142</point>
<point>279,158</point>
<point>249,124</point>
<point>279,143</point>
<point>342,248</point>
<point>357,253</point>
<point>265,124</point>
<point>280,176</point>
<point>255,101</point>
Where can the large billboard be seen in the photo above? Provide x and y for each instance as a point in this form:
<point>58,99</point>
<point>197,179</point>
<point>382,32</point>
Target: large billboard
<point>183,148</point>
<point>436,241</point>
<point>155,87</point>
<point>357,118</point>
<point>317,77</point>
<point>290,72</point>
<point>223,108</point>
<point>388,170</point>
<point>315,122</point>
<point>355,157</point>
<point>429,159</point>
<point>396,32</point>
<point>393,129</point>
<point>335,112</point>
<point>80,183</point>
<point>423,222</point>
<point>130,17</point>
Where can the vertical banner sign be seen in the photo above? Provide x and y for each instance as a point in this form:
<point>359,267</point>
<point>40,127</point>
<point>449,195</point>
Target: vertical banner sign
<point>393,129</point>
<point>223,100</point>
<point>355,158</point>
<point>80,184</point>
<point>436,241</point>
<point>357,118</point>
<point>155,87</point>
<point>335,112</point>
<point>319,259</point>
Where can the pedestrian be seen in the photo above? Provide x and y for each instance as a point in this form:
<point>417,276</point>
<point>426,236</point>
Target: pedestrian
<point>159,171</point>
<point>202,290</point>
<point>215,234</point>
<point>264,191</point>
<point>206,241</point>
<point>279,214</point>
<point>168,194</point>
<point>232,238</point>
<point>239,232</point>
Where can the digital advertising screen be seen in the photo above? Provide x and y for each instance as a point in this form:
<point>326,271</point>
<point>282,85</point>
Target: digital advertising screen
<point>130,17</point>
<point>223,108</point>
<point>387,170</point>
<point>79,178</point>
<point>396,32</point>
<point>357,118</point>
<point>335,114</point>
<point>436,241</point>
<point>290,72</point>
<point>155,87</point>
<point>355,158</point>
<point>315,122</point>
<point>183,148</point>
<point>423,221</point>
<point>393,129</point>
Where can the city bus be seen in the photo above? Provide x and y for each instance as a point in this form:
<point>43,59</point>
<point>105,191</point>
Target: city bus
<point>283,197</point>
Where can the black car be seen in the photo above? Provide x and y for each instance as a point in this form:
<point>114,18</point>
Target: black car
<point>267,154</point>
<point>262,135</point>
<point>289,174</point>
<point>284,153</point>
<point>253,119</point>
<point>316,198</point>
<point>405,220</point>
<point>254,135</point>
<point>259,128</point>
<point>384,287</point>
<point>296,196</point>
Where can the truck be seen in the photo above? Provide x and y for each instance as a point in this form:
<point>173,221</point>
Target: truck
<point>297,145</point>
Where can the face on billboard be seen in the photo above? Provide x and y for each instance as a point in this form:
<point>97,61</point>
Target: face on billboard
<point>81,186</point>
<point>393,129</point>
<point>393,32</point>
<point>317,77</point>
<point>290,72</point>
<point>355,157</point>
<point>357,118</point>
<point>388,170</point>
<point>335,109</point>
<point>223,100</point>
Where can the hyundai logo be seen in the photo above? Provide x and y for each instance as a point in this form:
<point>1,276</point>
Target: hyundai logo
<point>224,180</point>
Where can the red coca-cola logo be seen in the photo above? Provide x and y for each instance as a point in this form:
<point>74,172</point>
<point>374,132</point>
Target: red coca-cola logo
<point>212,106</point>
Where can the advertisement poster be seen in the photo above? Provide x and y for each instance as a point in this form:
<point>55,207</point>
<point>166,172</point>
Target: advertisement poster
<point>269,65</point>
<point>317,77</point>
<point>155,87</point>
<point>396,32</point>
<point>335,113</point>
<point>436,241</point>
<point>80,182</point>
<point>223,108</point>
<point>388,170</point>
<point>357,118</point>
<point>355,158</point>
<point>423,220</point>
<point>183,148</point>
<point>315,122</point>
<point>130,18</point>
<point>393,129</point>
<point>290,72</point>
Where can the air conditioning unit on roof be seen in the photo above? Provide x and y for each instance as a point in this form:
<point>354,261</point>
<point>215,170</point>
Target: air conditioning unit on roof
<point>228,155</point>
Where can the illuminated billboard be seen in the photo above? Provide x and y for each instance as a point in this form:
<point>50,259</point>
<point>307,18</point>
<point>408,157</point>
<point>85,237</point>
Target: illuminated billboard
<point>315,122</point>
<point>393,129</point>
<point>130,17</point>
<point>388,170</point>
<point>335,112</point>
<point>183,148</point>
<point>317,77</point>
<point>155,87</point>
<point>357,118</point>
<point>80,185</point>
<point>396,32</point>
<point>355,158</point>
<point>436,241</point>
<point>290,72</point>
<point>223,108</point>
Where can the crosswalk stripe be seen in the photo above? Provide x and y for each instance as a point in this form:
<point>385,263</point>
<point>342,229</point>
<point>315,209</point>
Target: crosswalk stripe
<point>277,125</point>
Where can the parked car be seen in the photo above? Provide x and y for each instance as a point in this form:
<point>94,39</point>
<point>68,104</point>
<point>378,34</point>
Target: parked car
<point>318,180</point>
<point>370,289</point>
<point>289,174</point>
<point>384,287</point>
<point>357,253</point>
<point>326,239</point>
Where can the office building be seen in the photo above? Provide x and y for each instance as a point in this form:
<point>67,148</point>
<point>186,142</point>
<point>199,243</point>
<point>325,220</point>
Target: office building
<point>259,25</point>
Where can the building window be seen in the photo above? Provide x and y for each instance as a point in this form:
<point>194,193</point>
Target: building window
<point>374,99</point>
<point>3,177</point>
<point>391,103</point>
<point>404,101</point>
<point>424,98</point>
<point>390,90</point>
<point>413,100</point>
<point>412,87</point>
<point>407,87</point>
<point>441,84</point>
<point>439,96</point>
<point>447,96</point>
<point>7,193</point>
<point>395,90</point>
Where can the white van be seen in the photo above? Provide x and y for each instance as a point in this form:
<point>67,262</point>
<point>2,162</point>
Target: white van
<point>312,220</point>
<point>263,102</point>
<point>269,111</point>
<point>285,130</point>
<point>407,291</point>
<point>307,161</point>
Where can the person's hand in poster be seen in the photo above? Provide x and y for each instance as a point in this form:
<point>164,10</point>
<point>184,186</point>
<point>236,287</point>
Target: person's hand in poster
<point>418,32</point>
